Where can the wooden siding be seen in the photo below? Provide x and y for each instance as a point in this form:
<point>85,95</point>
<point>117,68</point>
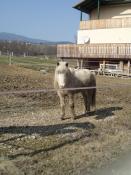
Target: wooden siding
<point>111,51</point>
<point>105,23</point>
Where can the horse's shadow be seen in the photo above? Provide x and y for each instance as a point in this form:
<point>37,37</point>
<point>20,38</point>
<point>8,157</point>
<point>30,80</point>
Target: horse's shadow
<point>48,130</point>
<point>101,113</point>
<point>57,129</point>
<point>106,112</point>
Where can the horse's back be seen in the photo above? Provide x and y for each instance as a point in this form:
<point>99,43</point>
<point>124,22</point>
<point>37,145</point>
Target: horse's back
<point>84,75</point>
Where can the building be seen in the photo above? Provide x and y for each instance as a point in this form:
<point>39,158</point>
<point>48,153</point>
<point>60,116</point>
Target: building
<point>103,38</point>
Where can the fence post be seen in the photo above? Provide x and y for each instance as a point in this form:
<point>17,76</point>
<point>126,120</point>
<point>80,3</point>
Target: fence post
<point>24,54</point>
<point>9,59</point>
<point>0,53</point>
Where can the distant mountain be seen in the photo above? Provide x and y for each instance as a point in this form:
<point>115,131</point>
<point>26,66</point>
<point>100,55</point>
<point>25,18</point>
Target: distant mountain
<point>13,37</point>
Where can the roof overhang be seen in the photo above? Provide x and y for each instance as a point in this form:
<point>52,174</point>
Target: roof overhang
<point>87,6</point>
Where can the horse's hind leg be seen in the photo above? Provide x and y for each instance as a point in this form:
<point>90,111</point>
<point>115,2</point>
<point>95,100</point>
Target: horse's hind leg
<point>86,102</point>
<point>71,104</point>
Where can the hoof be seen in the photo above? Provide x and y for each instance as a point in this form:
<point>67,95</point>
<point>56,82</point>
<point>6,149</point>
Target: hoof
<point>75,117</point>
<point>63,118</point>
<point>86,114</point>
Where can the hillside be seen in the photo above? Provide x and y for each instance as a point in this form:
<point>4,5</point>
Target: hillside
<point>14,37</point>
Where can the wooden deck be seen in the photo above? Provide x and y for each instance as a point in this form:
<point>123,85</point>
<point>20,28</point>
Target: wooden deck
<point>105,23</point>
<point>107,51</point>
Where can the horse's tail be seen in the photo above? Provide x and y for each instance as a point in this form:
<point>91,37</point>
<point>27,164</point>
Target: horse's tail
<point>94,92</point>
<point>94,97</point>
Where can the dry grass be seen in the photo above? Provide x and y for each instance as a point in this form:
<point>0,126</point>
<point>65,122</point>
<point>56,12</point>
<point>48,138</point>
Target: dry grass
<point>33,139</point>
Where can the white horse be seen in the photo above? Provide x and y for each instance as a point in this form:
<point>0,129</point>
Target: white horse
<point>66,78</point>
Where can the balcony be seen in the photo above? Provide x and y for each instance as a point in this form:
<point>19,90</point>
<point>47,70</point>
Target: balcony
<point>107,51</point>
<point>106,23</point>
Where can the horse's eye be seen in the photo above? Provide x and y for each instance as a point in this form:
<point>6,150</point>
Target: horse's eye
<point>66,64</point>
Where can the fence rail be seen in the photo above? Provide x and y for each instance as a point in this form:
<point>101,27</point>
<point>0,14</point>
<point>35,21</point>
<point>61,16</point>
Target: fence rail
<point>105,23</point>
<point>112,51</point>
<point>103,86</point>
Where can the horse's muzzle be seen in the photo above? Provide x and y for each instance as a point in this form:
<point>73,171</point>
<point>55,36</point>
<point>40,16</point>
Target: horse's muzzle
<point>62,87</point>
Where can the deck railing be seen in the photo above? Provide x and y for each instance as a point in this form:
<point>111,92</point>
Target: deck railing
<point>106,23</point>
<point>94,51</point>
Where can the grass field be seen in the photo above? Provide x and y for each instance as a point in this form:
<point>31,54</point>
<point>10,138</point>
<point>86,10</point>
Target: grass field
<point>37,63</point>
<point>33,139</point>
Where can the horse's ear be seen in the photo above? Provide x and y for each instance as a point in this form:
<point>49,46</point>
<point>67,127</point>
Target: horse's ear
<point>58,63</point>
<point>66,64</point>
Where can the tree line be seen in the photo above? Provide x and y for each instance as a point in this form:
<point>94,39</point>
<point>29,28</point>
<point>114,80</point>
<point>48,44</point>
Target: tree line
<point>27,49</point>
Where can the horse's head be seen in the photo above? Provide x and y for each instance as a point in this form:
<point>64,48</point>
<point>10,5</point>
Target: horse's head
<point>62,74</point>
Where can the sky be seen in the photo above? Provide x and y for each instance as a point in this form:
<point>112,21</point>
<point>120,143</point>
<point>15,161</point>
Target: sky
<point>53,20</point>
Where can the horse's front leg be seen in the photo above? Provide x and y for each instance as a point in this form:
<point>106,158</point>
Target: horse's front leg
<point>71,104</point>
<point>62,104</point>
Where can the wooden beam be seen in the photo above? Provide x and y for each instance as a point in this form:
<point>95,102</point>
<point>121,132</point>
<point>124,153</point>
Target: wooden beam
<point>99,51</point>
<point>98,9</point>
<point>80,16</point>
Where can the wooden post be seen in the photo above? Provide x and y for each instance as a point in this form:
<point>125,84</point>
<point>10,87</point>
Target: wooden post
<point>62,59</point>
<point>128,67</point>
<point>122,65</point>
<point>78,63</point>
<point>86,64</point>
<point>0,53</point>
<point>104,66</point>
<point>81,64</point>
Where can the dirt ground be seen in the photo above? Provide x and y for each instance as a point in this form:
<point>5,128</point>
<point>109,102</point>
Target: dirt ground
<point>34,140</point>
